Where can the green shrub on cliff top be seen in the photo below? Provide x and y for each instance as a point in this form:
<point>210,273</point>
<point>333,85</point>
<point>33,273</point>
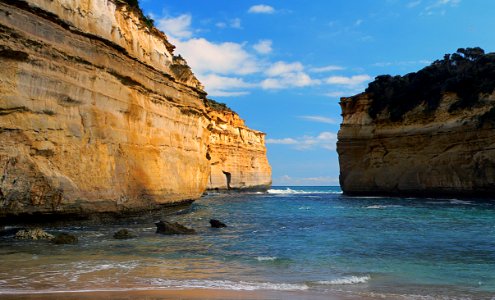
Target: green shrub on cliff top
<point>469,73</point>
<point>216,105</point>
<point>146,19</point>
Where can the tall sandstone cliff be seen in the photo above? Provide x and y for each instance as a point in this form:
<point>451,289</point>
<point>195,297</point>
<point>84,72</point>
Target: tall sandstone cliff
<point>237,154</point>
<point>97,114</point>
<point>434,149</point>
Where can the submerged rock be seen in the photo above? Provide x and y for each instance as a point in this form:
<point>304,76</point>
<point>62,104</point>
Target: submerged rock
<point>217,224</point>
<point>164,227</point>
<point>65,238</point>
<point>124,234</point>
<point>33,234</point>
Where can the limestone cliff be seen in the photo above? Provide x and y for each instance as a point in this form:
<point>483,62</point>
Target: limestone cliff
<point>96,113</point>
<point>429,150</point>
<point>237,154</point>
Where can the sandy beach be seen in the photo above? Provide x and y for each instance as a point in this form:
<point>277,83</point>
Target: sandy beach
<point>192,294</point>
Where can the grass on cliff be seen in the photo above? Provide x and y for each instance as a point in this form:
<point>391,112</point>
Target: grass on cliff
<point>217,105</point>
<point>135,5</point>
<point>470,73</point>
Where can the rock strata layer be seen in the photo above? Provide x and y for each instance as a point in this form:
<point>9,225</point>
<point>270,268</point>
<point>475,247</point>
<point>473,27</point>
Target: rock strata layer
<point>434,154</point>
<point>96,113</point>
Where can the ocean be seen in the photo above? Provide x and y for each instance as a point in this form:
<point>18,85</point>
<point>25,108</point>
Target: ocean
<point>305,239</point>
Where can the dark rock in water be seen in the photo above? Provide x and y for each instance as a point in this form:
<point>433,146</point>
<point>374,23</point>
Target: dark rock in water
<point>123,234</point>
<point>65,238</point>
<point>164,227</point>
<point>33,234</point>
<point>217,224</point>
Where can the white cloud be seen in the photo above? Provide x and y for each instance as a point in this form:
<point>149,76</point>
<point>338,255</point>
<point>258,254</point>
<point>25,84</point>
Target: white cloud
<point>319,119</point>
<point>261,9</point>
<point>178,27</point>
<point>263,46</point>
<point>302,181</point>
<point>206,57</point>
<point>348,81</point>
<point>280,68</point>
<point>288,80</point>
<point>286,75</point>
<point>223,86</point>
<point>324,69</point>
<point>325,140</point>
<point>358,22</point>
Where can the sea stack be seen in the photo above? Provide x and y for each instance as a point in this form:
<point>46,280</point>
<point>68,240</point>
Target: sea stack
<point>97,114</point>
<point>430,133</point>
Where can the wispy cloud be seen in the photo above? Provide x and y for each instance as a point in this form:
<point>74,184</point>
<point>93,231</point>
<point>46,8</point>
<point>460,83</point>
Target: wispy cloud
<point>348,81</point>
<point>261,9</point>
<point>263,47</point>
<point>234,23</point>
<point>324,69</point>
<point>413,4</point>
<point>319,119</point>
<point>402,63</point>
<point>439,7</point>
<point>326,140</point>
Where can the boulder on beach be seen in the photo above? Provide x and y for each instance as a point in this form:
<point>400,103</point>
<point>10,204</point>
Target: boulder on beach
<point>164,227</point>
<point>217,224</point>
<point>33,234</point>
<point>124,234</point>
<point>65,238</point>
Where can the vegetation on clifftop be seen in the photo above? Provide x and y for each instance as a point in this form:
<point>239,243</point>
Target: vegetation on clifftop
<point>135,5</point>
<point>469,73</point>
<point>217,105</point>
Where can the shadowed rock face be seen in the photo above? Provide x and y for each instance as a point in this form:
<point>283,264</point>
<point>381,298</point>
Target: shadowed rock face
<point>432,154</point>
<point>96,113</point>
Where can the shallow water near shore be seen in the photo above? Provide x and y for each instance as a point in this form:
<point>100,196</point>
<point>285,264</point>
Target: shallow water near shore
<point>305,239</point>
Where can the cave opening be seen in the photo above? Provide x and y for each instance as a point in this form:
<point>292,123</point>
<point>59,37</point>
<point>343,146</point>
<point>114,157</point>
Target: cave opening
<point>228,177</point>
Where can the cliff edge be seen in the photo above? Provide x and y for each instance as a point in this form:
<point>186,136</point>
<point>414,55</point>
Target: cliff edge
<point>429,133</point>
<point>96,112</point>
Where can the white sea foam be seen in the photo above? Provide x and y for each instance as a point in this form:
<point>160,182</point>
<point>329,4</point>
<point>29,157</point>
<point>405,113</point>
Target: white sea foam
<point>457,201</point>
<point>266,258</point>
<point>228,285</point>
<point>346,280</point>
<point>289,191</point>
<point>382,206</point>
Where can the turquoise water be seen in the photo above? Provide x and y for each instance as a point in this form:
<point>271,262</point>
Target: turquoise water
<point>293,238</point>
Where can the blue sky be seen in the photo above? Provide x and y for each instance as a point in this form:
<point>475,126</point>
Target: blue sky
<point>283,65</point>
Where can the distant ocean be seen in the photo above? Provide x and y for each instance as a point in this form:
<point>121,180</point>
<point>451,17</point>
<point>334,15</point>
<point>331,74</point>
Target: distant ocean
<point>289,239</point>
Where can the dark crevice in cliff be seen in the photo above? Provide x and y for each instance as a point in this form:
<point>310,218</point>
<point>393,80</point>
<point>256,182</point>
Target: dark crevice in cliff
<point>13,54</point>
<point>228,179</point>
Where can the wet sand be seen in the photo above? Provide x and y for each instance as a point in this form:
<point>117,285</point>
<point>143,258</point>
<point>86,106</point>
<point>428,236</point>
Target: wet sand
<point>192,294</point>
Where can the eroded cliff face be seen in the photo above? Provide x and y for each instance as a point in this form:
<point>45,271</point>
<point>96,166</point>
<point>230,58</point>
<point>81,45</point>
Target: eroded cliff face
<point>439,153</point>
<point>237,154</point>
<point>96,113</point>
